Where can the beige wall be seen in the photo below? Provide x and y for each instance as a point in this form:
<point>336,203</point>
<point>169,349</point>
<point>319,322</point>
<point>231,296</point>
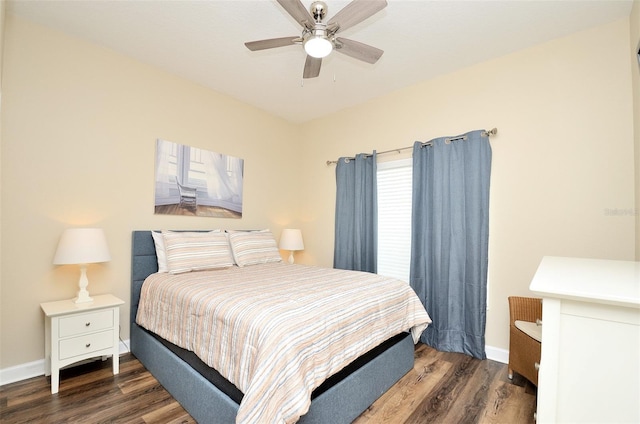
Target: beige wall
<point>2,26</point>
<point>562,159</point>
<point>79,133</point>
<point>634,22</point>
<point>80,124</point>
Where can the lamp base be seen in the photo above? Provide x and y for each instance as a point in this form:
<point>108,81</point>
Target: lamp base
<point>83,297</point>
<point>83,294</point>
<point>291,260</point>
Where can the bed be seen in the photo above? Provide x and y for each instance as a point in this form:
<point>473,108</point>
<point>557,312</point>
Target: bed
<point>210,398</point>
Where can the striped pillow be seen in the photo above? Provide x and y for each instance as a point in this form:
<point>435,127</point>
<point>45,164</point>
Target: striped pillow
<point>195,251</point>
<point>254,247</point>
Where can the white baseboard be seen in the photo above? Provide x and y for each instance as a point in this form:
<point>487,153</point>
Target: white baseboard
<point>497,354</point>
<point>21,372</point>
<point>36,368</point>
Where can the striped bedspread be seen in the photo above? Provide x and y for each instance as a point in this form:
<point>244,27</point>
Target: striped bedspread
<point>277,331</point>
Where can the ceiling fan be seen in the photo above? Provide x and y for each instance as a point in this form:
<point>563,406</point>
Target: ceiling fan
<point>319,39</point>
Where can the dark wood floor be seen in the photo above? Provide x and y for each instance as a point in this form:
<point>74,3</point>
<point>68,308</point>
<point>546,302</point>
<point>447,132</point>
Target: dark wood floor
<point>442,388</point>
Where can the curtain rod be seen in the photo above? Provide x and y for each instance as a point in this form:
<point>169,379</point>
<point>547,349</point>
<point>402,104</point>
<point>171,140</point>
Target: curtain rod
<point>489,133</point>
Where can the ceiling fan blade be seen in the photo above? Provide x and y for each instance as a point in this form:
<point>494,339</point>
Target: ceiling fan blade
<point>311,67</point>
<point>358,50</point>
<point>270,43</point>
<point>356,12</point>
<point>298,11</point>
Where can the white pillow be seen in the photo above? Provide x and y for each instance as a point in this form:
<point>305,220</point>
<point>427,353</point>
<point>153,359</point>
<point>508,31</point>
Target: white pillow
<point>253,247</point>
<point>160,253</point>
<point>196,251</point>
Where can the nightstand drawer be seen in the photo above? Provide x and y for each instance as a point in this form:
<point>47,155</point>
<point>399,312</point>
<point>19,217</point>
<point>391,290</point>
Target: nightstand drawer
<point>85,344</point>
<point>86,323</point>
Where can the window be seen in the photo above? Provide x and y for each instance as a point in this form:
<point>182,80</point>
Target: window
<point>394,218</point>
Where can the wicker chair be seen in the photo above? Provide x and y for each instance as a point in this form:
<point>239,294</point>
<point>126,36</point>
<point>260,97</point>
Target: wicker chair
<point>524,350</point>
<point>188,197</point>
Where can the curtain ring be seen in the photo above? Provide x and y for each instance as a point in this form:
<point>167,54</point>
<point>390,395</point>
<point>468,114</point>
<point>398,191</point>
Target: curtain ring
<point>346,160</point>
<point>449,140</point>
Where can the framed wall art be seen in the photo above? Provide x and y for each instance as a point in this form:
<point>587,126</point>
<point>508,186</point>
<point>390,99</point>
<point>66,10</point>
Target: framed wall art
<point>196,182</point>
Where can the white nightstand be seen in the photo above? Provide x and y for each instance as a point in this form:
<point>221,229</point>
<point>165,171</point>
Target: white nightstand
<point>78,331</point>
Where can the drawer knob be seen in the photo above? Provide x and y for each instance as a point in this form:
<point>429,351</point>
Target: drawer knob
<point>87,345</point>
<point>536,365</point>
<point>86,324</point>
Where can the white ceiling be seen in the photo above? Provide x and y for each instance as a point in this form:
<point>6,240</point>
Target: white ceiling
<point>203,41</point>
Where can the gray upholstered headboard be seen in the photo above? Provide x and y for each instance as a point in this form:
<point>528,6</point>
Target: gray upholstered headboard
<point>143,264</point>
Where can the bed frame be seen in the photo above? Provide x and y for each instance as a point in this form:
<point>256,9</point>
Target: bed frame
<point>342,402</point>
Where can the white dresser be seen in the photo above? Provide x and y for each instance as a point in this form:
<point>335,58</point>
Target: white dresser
<point>78,331</point>
<point>590,362</point>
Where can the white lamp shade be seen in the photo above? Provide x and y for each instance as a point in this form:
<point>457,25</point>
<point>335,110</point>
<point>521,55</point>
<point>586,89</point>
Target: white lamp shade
<point>291,239</point>
<point>82,246</point>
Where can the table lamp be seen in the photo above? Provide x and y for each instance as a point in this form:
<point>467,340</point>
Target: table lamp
<point>291,239</point>
<point>82,246</point>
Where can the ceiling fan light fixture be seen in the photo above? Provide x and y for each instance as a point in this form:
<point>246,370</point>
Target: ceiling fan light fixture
<point>318,46</point>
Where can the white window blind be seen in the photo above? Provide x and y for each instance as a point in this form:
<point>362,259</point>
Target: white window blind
<point>394,218</point>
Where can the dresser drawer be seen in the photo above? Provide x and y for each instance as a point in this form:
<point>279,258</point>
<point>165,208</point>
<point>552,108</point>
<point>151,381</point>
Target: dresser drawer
<point>82,345</point>
<point>86,323</point>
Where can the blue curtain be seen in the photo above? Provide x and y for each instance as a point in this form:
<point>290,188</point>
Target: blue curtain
<point>450,235</point>
<point>356,228</point>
